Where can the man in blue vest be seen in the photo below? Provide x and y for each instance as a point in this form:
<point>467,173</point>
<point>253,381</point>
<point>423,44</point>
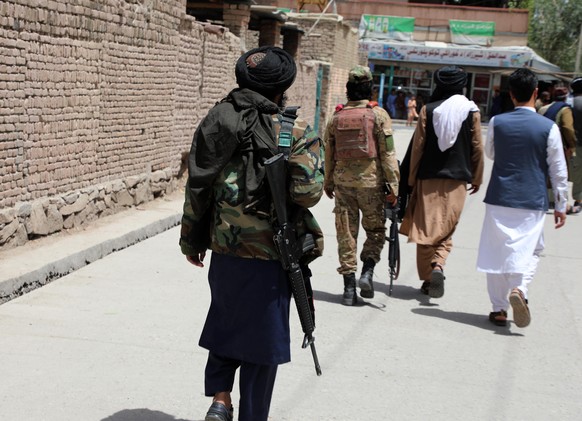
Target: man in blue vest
<point>526,149</point>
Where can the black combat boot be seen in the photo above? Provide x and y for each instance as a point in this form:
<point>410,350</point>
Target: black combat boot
<point>366,282</point>
<point>350,298</point>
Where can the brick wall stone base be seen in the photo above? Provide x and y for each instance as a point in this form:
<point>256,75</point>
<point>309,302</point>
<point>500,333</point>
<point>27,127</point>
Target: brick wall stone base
<point>30,220</point>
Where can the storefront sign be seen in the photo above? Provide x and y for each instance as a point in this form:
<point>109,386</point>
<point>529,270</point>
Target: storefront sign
<point>471,32</point>
<point>386,27</point>
<point>446,55</point>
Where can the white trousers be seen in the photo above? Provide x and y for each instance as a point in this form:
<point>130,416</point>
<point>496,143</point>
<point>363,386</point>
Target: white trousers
<point>499,285</point>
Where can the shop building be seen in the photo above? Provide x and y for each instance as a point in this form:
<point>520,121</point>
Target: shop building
<point>408,67</point>
<point>406,42</point>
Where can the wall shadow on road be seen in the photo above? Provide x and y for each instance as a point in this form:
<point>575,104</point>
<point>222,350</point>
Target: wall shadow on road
<point>142,414</point>
<point>406,292</point>
<point>327,297</point>
<point>476,320</point>
<point>399,292</point>
<point>337,299</point>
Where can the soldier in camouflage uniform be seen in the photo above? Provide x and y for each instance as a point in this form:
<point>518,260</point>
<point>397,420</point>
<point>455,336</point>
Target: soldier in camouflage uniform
<point>227,210</point>
<point>361,172</point>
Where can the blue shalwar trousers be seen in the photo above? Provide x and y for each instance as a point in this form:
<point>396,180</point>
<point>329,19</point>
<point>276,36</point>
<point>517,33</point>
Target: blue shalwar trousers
<point>247,327</point>
<point>256,383</point>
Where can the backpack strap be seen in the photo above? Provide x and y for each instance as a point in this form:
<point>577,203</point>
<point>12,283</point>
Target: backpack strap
<point>288,118</point>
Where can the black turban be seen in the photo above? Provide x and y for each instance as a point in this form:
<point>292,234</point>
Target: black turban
<point>576,85</point>
<point>449,80</point>
<point>267,70</point>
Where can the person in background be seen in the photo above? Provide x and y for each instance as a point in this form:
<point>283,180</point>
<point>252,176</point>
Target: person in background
<point>400,104</point>
<point>495,103</point>
<point>361,174</point>
<point>576,160</point>
<point>412,114</point>
<point>561,113</point>
<point>544,99</point>
<point>446,154</point>
<point>227,209</point>
<point>526,149</point>
<point>391,103</point>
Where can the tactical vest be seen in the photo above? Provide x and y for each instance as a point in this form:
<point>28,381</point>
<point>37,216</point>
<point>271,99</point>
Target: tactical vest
<point>354,134</point>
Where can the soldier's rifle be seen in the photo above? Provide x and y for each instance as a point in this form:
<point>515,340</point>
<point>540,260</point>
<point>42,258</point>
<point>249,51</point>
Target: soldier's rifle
<point>290,250</point>
<point>391,212</point>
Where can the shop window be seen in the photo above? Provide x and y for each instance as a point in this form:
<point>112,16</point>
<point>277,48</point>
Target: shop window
<point>411,81</point>
<point>481,91</point>
<point>482,80</point>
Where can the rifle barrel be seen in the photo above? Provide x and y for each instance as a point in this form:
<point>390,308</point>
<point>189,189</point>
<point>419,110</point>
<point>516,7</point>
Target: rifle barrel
<point>315,359</point>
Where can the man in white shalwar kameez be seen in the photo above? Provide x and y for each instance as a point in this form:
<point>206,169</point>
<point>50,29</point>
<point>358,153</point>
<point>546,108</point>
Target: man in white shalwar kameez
<point>526,150</point>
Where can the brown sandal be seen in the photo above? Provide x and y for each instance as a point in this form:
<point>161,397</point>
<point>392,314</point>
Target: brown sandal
<point>521,314</point>
<point>498,318</point>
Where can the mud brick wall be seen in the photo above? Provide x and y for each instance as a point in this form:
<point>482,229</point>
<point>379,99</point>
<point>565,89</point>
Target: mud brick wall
<point>99,99</point>
<point>302,92</point>
<point>334,43</point>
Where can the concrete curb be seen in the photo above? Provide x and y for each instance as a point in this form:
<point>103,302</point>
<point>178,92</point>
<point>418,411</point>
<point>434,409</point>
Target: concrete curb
<point>34,265</point>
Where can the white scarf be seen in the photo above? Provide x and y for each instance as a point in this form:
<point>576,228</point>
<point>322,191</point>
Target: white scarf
<point>448,118</point>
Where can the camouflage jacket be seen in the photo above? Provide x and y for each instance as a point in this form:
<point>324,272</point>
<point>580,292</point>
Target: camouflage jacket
<point>364,172</point>
<point>219,213</point>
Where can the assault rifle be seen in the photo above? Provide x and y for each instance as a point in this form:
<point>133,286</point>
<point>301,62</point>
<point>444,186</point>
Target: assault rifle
<point>391,213</point>
<point>290,250</point>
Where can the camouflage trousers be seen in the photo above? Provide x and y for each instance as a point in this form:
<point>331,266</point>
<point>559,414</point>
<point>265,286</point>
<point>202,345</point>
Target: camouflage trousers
<point>349,202</point>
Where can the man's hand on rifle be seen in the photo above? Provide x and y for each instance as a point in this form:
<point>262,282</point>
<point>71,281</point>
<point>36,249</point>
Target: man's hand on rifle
<point>392,199</point>
<point>197,259</point>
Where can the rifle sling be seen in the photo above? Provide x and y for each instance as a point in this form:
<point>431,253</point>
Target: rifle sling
<point>285,141</point>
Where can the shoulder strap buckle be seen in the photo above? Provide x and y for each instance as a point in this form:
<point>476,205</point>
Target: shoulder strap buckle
<point>288,118</point>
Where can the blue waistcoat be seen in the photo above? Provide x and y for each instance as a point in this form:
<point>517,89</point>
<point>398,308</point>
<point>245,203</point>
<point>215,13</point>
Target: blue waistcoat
<point>520,168</point>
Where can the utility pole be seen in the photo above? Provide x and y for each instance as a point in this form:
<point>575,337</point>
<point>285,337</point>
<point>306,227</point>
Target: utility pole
<point>578,53</point>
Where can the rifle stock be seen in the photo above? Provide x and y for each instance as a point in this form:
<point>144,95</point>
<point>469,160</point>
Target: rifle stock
<point>290,250</point>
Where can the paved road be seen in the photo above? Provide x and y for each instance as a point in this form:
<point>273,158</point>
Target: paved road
<point>117,340</point>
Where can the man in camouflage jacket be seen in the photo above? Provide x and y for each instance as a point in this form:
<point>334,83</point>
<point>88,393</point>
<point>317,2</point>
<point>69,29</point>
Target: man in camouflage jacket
<point>227,210</point>
<point>361,172</point>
